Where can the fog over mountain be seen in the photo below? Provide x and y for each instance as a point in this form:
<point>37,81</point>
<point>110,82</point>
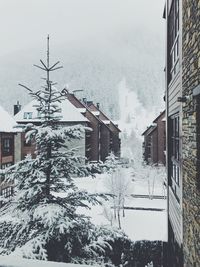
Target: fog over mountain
<point>95,60</point>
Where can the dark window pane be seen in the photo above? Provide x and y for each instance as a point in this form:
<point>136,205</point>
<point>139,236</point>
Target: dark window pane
<point>173,43</point>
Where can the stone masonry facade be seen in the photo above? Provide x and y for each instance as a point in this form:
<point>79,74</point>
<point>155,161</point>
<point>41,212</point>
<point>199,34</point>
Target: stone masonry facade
<point>191,132</point>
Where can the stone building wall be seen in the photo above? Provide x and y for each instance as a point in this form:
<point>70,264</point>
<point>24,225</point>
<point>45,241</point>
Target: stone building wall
<point>191,175</point>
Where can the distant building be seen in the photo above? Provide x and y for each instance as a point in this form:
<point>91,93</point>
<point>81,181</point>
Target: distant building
<point>160,123</point>
<point>154,144</point>
<point>150,145</point>
<point>182,74</point>
<point>69,116</point>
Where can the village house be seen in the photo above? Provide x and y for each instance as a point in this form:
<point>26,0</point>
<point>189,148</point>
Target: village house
<point>9,141</point>
<point>104,137</point>
<point>182,74</point>
<point>154,145</point>
<point>69,116</point>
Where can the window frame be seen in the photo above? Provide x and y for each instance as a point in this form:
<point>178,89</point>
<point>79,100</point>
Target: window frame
<point>174,154</point>
<point>173,40</point>
<point>7,192</point>
<point>28,115</point>
<point>6,165</point>
<point>8,149</point>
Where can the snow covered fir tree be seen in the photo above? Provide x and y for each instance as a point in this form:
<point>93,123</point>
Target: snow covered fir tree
<point>41,220</point>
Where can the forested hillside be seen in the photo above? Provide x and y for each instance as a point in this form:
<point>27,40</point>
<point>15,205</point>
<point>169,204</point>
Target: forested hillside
<point>96,66</point>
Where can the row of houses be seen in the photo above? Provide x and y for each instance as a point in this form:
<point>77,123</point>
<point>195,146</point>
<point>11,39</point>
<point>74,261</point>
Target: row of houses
<point>100,138</point>
<point>154,145</point>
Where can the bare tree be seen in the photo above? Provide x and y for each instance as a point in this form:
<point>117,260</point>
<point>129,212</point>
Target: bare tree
<point>118,184</point>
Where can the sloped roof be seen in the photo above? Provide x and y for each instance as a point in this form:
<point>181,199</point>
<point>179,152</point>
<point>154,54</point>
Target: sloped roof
<point>69,113</point>
<point>7,122</point>
<point>161,114</point>
<point>102,116</point>
<point>149,129</point>
<point>83,108</point>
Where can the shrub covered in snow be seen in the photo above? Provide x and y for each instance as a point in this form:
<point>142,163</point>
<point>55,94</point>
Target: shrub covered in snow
<point>142,253</point>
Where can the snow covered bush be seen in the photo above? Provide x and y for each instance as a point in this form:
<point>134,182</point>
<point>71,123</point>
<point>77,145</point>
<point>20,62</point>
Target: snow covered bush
<point>144,253</point>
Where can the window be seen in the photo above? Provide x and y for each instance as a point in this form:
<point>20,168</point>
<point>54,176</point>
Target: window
<point>174,153</point>
<point>88,145</point>
<point>7,192</point>
<point>39,114</point>
<point>28,115</point>
<point>164,141</point>
<point>173,40</point>
<point>149,148</point>
<point>6,165</point>
<point>7,146</point>
<point>175,138</point>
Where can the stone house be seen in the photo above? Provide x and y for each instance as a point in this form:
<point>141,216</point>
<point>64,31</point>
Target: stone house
<point>154,144</point>
<point>182,97</point>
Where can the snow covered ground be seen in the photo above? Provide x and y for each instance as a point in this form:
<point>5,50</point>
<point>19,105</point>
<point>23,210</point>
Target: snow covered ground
<point>145,219</point>
<point>137,224</point>
<point>7,261</point>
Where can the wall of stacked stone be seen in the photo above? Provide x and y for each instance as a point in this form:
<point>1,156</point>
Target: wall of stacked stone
<point>191,175</point>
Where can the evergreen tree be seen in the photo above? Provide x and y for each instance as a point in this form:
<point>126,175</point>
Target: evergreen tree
<point>41,221</point>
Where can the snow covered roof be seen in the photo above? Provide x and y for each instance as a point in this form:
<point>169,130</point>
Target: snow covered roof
<point>96,113</point>
<point>106,122</point>
<point>149,129</point>
<point>7,122</point>
<point>69,113</point>
<point>161,114</point>
<point>82,110</point>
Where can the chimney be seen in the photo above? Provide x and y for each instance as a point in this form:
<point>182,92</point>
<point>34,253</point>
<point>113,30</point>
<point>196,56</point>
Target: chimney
<point>17,108</point>
<point>98,105</point>
<point>84,100</point>
<point>89,103</point>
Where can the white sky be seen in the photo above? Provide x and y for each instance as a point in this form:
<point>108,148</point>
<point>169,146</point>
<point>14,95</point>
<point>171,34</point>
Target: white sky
<point>26,23</point>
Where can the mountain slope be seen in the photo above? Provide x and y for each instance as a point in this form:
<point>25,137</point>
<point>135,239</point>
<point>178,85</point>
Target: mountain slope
<point>96,66</point>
